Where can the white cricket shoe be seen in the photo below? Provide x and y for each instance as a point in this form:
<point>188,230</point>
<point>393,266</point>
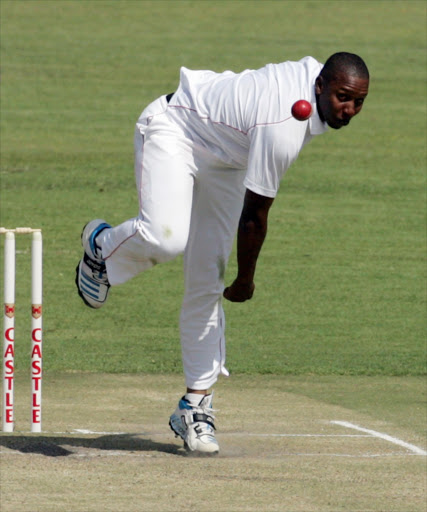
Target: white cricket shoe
<point>91,273</point>
<point>195,425</point>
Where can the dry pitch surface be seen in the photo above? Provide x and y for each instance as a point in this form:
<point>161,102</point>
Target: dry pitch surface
<point>106,446</point>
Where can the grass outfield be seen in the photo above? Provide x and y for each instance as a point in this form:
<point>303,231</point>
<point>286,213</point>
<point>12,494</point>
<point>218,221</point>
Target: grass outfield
<point>341,280</point>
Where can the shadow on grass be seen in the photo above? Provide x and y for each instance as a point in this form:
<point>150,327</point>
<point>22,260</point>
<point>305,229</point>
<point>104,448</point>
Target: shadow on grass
<point>52,446</point>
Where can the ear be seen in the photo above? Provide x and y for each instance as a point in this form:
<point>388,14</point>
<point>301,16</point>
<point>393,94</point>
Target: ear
<point>318,85</point>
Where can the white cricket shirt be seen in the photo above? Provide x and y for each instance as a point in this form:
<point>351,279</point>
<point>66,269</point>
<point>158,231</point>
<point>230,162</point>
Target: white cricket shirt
<point>245,120</point>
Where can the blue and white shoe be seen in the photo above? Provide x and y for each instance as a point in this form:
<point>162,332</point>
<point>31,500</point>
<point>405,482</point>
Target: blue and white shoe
<point>91,273</point>
<point>194,424</point>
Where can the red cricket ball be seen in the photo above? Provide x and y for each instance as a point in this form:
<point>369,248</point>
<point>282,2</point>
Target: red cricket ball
<point>301,110</point>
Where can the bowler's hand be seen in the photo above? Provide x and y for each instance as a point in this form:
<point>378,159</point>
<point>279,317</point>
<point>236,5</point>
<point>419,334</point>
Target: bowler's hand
<point>239,292</point>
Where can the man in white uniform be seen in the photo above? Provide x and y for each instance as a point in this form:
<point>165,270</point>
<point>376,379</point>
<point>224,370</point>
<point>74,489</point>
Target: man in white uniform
<point>208,162</point>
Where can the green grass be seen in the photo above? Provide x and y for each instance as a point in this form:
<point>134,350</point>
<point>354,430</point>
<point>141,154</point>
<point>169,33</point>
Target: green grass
<point>341,279</point>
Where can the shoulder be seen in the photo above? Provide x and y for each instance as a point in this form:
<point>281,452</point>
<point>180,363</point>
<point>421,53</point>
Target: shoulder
<point>306,65</point>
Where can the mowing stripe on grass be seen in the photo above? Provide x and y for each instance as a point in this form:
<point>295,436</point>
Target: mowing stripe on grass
<point>386,437</point>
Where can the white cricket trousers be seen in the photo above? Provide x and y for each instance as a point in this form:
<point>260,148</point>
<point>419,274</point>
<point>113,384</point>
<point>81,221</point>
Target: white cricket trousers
<point>190,202</point>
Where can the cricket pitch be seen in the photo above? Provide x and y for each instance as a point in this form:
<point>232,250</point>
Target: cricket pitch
<point>106,445</point>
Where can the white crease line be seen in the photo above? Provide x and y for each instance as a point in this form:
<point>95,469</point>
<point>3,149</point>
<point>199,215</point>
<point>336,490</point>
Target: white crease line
<point>247,434</point>
<point>84,431</point>
<point>367,433</point>
<point>221,434</point>
<point>346,455</point>
<point>70,433</point>
<point>380,435</point>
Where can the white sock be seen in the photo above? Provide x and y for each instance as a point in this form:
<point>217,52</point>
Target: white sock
<point>194,398</point>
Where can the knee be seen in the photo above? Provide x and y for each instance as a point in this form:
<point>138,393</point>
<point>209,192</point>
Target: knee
<point>170,245</point>
<point>160,242</point>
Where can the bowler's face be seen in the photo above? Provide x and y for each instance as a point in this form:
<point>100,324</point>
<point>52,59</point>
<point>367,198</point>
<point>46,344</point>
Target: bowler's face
<point>340,100</point>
